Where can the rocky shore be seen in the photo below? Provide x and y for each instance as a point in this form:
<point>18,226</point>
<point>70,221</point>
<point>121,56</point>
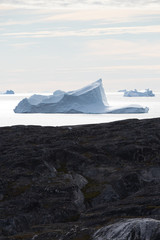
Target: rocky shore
<point>90,182</point>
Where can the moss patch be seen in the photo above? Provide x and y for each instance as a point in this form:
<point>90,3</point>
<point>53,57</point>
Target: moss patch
<point>83,237</point>
<point>87,154</point>
<point>62,168</point>
<point>23,236</point>
<point>91,190</point>
<point>14,191</point>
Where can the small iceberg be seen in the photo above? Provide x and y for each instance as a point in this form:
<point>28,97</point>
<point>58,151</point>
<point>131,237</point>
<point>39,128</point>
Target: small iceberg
<point>133,108</point>
<point>135,93</point>
<point>122,90</point>
<point>8,92</point>
<point>90,99</point>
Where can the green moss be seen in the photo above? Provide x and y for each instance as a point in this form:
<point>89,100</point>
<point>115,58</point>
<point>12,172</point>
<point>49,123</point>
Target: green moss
<point>91,195</point>
<point>92,184</point>
<point>74,218</point>
<point>23,236</point>
<point>87,154</point>
<point>83,237</point>
<point>14,191</point>
<point>86,140</point>
<point>153,207</point>
<point>91,190</point>
<point>62,168</point>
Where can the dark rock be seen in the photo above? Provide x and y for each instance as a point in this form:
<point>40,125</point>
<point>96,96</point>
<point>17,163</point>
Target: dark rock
<point>64,183</point>
<point>107,195</point>
<point>11,226</point>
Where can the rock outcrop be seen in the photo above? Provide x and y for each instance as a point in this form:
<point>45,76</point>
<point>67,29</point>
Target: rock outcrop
<point>131,229</point>
<point>85,182</point>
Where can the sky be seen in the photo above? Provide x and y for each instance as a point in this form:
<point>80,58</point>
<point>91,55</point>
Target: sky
<point>47,45</point>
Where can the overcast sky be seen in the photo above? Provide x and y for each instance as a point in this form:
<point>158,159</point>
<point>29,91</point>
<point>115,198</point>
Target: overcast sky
<point>47,45</point>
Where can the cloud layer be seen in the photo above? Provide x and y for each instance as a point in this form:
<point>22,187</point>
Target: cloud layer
<point>68,42</point>
<point>87,32</point>
<point>48,4</point>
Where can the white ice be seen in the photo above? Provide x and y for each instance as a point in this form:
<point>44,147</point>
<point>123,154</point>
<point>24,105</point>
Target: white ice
<point>135,93</point>
<point>90,99</point>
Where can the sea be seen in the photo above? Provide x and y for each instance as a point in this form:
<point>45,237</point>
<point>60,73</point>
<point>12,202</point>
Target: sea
<point>115,99</point>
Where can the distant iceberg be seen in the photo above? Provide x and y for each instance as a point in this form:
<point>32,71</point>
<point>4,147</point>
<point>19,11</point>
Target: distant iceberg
<point>122,90</point>
<point>135,93</point>
<point>8,92</point>
<point>90,99</point>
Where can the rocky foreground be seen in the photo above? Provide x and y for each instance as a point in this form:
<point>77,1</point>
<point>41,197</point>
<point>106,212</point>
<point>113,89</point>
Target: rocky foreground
<point>92,182</point>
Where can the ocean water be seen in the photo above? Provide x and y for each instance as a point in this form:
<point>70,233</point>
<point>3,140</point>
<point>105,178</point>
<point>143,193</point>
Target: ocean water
<point>9,118</point>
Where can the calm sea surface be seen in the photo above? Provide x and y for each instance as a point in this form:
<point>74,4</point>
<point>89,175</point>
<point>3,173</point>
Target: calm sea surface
<point>9,118</point>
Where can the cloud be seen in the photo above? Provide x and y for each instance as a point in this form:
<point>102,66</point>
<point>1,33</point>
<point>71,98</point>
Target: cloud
<point>11,22</point>
<point>23,45</point>
<point>111,68</point>
<point>90,15</point>
<point>71,15</point>
<point>127,49</point>
<point>48,4</point>
<point>17,71</point>
<point>99,16</point>
<point>131,67</point>
<point>86,32</point>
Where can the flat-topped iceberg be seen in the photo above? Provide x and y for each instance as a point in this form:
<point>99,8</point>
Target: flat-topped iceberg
<point>90,99</point>
<point>135,93</point>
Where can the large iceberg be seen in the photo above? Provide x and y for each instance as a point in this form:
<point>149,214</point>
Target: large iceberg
<point>135,93</point>
<point>90,99</point>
